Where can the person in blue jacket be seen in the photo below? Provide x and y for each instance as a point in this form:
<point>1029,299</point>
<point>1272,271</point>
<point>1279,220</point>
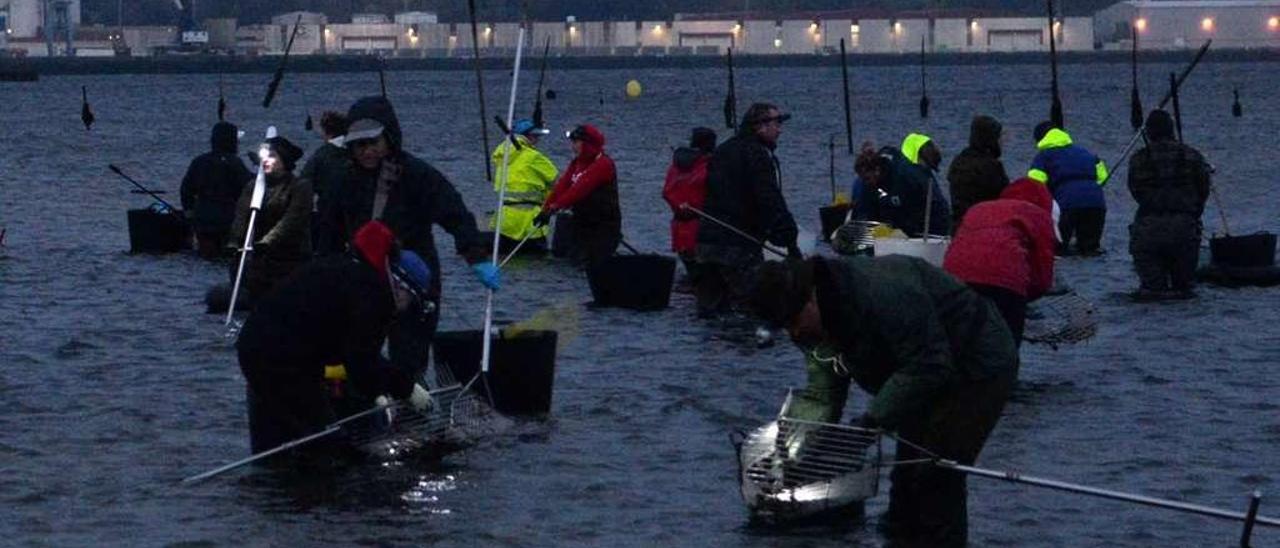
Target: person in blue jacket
<point>1075,177</point>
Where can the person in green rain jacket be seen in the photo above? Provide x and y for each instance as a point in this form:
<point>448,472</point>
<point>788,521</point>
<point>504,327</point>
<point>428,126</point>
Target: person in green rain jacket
<point>936,356</point>
<point>529,180</point>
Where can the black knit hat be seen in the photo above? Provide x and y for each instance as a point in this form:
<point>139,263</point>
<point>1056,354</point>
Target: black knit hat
<point>781,290</point>
<point>703,139</point>
<point>288,152</point>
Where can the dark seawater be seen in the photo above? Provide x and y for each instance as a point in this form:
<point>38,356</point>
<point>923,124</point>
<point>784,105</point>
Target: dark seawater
<point>116,385</point>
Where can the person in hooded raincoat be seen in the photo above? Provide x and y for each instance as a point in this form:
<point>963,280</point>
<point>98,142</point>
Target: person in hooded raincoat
<point>1170,182</point>
<point>335,310</point>
<point>589,189</point>
<point>210,189</point>
<point>1004,249</point>
<point>913,186</point>
<point>1075,177</point>
<point>977,175</point>
<point>530,175</point>
<point>385,182</point>
<point>686,185</point>
<point>936,357</point>
<point>282,228</point>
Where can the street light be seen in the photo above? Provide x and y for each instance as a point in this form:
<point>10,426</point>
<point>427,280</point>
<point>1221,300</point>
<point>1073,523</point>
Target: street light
<point>1207,24</point>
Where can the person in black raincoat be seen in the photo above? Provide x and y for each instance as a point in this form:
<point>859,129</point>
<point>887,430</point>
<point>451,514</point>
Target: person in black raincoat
<point>912,187</point>
<point>282,230</point>
<point>326,168</point>
<point>333,311</point>
<point>936,356</point>
<point>977,175</point>
<point>384,182</point>
<point>744,190</point>
<point>1170,182</point>
<point>210,188</point>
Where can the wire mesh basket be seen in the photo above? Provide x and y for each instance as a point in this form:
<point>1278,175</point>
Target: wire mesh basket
<point>460,417</point>
<point>1065,318</point>
<point>792,469</point>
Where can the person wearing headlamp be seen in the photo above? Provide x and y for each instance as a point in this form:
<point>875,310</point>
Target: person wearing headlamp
<point>589,189</point>
<point>282,228</point>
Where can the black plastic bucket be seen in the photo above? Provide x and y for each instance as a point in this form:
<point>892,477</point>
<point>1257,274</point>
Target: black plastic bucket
<point>561,236</point>
<point>639,282</point>
<point>152,232</point>
<point>832,217</point>
<point>1254,250</point>
<point>521,367</point>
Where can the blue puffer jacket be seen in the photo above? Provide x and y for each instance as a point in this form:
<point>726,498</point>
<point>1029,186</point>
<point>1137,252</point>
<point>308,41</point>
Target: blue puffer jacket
<point>1074,175</point>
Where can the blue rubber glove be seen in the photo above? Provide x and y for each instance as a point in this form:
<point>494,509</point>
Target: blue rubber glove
<point>488,275</point>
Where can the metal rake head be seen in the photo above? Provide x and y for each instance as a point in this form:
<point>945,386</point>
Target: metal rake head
<point>1061,319</point>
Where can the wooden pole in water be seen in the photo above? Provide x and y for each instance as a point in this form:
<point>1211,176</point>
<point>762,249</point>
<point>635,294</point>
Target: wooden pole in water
<point>279,75</point>
<point>924,92</point>
<point>1055,110</point>
<point>848,109</point>
<point>542,77</point>
<point>484,116</point>
<point>730,97</point>
<point>1135,100</point>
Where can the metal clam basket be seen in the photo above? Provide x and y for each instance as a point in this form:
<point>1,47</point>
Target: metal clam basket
<point>793,469</point>
<point>855,238</point>
<point>1065,318</point>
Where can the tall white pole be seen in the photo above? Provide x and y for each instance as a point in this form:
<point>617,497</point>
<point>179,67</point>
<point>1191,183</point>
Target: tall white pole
<point>255,204</point>
<point>503,175</point>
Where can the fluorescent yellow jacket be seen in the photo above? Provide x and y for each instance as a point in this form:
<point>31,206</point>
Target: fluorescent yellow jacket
<point>529,180</point>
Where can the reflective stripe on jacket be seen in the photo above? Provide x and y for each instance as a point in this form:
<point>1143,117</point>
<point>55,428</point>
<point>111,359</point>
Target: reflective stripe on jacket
<point>1073,174</point>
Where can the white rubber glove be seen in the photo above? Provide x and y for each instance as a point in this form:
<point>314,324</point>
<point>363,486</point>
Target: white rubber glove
<point>421,399</point>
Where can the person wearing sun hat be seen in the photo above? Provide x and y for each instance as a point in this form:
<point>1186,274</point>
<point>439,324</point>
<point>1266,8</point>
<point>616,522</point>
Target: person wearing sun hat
<point>530,175</point>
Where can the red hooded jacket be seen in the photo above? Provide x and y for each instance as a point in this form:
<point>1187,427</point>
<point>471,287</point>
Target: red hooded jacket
<point>686,184</point>
<point>1008,242</point>
<point>592,169</point>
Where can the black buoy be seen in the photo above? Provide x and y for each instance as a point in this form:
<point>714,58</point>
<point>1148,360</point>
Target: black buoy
<point>86,115</point>
<point>1236,109</point>
<point>309,125</point>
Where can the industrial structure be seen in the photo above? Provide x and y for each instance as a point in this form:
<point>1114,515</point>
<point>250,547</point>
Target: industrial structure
<point>1167,24</point>
<point>1175,24</point>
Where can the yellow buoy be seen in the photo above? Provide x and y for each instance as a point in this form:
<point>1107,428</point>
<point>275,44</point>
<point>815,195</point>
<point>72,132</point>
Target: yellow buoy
<point>633,89</point>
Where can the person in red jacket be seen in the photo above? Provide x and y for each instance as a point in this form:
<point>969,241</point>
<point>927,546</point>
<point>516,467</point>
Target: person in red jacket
<point>589,189</point>
<point>686,184</point>
<point>1004,248</point>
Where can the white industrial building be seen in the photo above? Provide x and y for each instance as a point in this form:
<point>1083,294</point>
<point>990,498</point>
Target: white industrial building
<point>1176,24</point>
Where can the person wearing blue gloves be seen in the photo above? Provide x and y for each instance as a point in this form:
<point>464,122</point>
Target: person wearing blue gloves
<point>384,182</point>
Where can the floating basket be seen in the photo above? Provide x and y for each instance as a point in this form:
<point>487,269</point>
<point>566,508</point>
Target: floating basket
<point>638,282</point>
<point>521,368</point>
<point>855,238</point>
<point>1067,318</point>
<point>1252,251</point>
<point>153,232</point>
<point>793,469</point>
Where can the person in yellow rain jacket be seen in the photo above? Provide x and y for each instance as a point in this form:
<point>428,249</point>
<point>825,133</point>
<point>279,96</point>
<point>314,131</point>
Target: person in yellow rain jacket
<point>529,180</point>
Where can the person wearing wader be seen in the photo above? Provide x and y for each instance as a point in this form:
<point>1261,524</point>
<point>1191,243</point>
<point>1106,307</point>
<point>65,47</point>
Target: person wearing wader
<point>326,168</point>
<point>530,175</point>
<point>334,310</point>
<point>977,175</point>
<point>686,184</point>
<point>386,183</point>
<point>1170,182</point>
<point>1004,250</point>
<point>589,189</point>
<point>282,229</point>
<point>210,189</point>
<point>744,190</point>
<point>937,358</point>
<point>1075,177</point>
